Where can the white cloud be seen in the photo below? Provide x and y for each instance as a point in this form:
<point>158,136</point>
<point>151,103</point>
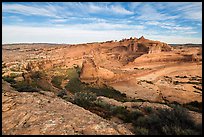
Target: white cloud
<point>59,35</point>
<point>12,18</point>
<point>120,10</point>
<point>173,27</point>
<point>105,26</point>
<point>147,12</point>
<point>29,10</point>
<point>134,5</point>
<point>23,34</point>
<point>187,10</point>
<point>58,20</point>
<point>94,8</point>
<point>174,39</point>
<point>107,9</point>
<point>65,10</point>
<point>86,18</point>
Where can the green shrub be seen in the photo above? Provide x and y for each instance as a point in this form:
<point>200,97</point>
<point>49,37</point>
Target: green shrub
<point>62,93</point>
<point>118,110</point>
<point>148,109</point>
<point>136,114</point>
<point>174,121</point>
<point>194,106</point>
<point>22,86</point>
<point>37,75</point>
<point>14,75</point>
<point>78,70</point>
<point>141,121</point>
<point>42,84</point>
<point>74,85</point>
<point>107,92</point>
<point>84,99</point>
<point>9,79</point>
<point>73,73</point>
<point>141,131</point>
<point>56,81</point>
<point>176,130</point>
<point>102,104</point>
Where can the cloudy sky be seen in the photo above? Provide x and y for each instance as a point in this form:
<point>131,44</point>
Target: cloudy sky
<point>81,22</point>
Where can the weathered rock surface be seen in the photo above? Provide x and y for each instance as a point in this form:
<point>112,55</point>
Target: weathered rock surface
<point>43,113</point>
<point>92,73</point>
<point>144,45</point>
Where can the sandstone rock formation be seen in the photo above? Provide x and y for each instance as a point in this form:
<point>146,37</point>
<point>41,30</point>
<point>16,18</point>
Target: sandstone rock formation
<point>148,46</point>
<point>138,47</point>
<point>92,73</point>
<point>43,113</point>
<point>89,71</point>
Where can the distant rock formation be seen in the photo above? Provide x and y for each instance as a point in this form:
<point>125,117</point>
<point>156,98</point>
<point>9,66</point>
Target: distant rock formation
<point>92,73</point>
<point>134,45</point>
<point>89,71</point>
<point>152,46</point>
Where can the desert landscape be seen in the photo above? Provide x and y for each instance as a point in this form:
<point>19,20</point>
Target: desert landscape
<point>102,68</point>
<point>112,87</point>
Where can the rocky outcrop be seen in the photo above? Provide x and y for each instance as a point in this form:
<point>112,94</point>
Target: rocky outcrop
<point>43,113</point>
<point>142,45</point>
<point>133,47</point>
<point>89,71</point>
<point>92,73</point>
<point>37,65</point>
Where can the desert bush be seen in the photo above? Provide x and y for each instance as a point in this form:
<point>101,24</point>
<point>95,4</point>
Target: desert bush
<point>102,104</point>
<point>141,121</point>
<point>141,131</point>
<point>131,116</point>
<point>78,70</point>
<point>9,79</point>
<point>73,73</point>
<point>37,75</point>
<point>174,121</point>
<point>42,84</point>
<point>74,85</point>
<point>118,110</point>
<point>62,93</point>
<point>148,109</point>
<point>194,106</point>
<point>13,69</point>
<point>22,86</point>
<point>176,130</point>
<point>136,114</point>
<point>14,75</point>
<point>56,81</point>
<point>107,92</point>
<point>84,99</point>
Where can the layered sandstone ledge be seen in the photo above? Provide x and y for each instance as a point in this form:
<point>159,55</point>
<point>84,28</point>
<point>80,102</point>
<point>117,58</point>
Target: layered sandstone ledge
<point>43,113</point>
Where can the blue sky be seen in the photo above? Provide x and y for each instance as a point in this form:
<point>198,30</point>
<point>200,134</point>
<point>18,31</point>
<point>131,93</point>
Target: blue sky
<point>81,22</point>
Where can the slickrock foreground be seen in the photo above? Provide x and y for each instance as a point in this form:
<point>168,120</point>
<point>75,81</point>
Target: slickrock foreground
<point>35,113</point>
